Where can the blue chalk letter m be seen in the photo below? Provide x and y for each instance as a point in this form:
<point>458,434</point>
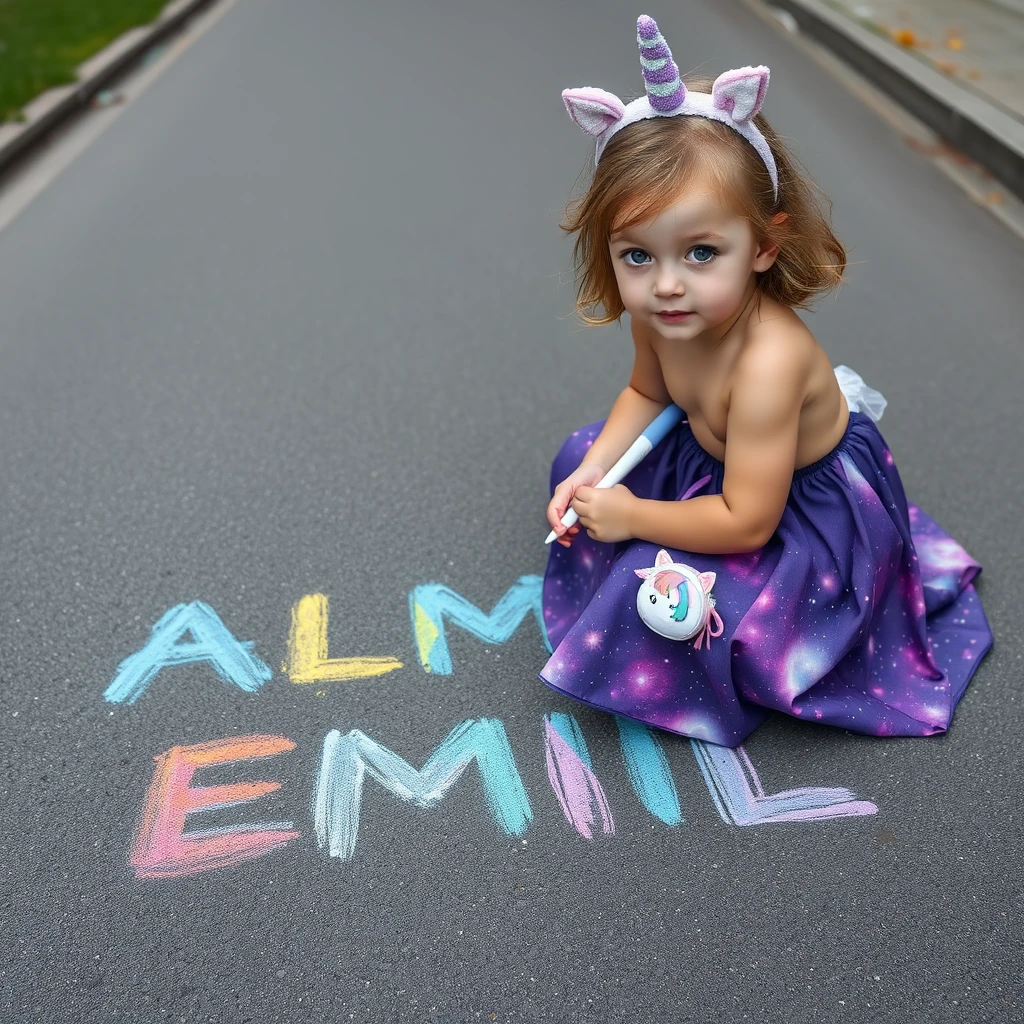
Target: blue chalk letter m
<point>431,603</point>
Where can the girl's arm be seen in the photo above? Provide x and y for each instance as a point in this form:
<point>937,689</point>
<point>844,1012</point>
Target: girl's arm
<point>642,399</point>
<point>634,409</point>
<point>760,454</point>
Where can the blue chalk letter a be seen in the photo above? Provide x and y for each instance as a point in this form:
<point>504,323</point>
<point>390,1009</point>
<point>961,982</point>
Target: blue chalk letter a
<point>212,641</point>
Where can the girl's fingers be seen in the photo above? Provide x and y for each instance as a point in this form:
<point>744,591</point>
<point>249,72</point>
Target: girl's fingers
<point>556,509</point>
<point>566,538</point>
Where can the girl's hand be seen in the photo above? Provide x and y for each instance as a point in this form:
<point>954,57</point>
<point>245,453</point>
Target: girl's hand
<point>605,513</point>
<point>584,476</point>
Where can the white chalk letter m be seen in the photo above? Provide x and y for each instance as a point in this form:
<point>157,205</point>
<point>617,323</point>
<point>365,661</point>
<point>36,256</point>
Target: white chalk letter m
<point>346,760</point>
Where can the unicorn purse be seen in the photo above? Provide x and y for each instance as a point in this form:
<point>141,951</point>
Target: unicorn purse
<point>675,601</point>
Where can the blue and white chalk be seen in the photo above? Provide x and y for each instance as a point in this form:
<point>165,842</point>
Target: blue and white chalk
<point>634,454</point>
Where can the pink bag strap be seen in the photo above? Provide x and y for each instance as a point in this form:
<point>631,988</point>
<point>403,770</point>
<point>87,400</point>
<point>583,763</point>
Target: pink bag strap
<point>705,635</point>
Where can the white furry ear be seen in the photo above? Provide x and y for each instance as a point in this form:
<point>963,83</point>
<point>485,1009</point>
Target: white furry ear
<point>664,558</point>
<point>594,110</point>
<point>741,92</point>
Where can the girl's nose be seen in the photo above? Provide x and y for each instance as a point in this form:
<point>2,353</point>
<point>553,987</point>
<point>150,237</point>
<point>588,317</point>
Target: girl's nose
<point>668,282</point>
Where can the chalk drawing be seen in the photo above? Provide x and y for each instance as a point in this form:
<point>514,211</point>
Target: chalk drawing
<point>571,774</point>
<point>162,847</point>
<point>211,641</point>
<point>307,649</point>
<point>741,800</point>
<point>194,633</point>
<point>431,603</point>
<point>647,767</point>
<point>346,759</point>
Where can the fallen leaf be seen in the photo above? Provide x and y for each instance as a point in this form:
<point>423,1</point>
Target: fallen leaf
<point>929,149</point>
<point>939,149</point>
<point>905,37</point>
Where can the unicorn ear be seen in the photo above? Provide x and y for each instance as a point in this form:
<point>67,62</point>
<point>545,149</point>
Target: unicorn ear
<point>594,110</point>
<point>741,92</point>
<point>664,558</point>
<point>643,573</point>
<point>707,581</point>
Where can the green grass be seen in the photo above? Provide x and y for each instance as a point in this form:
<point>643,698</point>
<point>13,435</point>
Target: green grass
<point>43,41</point>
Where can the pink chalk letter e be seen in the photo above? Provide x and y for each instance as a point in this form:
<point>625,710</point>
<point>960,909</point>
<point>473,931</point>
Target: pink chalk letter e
<point>163,849</point>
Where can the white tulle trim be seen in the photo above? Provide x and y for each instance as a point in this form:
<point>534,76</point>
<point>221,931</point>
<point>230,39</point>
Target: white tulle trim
<point>859,397</point>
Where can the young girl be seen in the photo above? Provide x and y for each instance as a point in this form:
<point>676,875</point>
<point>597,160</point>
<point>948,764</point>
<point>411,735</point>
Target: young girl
<point>763,555</point>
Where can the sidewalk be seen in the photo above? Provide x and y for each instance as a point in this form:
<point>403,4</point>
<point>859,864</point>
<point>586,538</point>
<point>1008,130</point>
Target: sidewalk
<point>957,65</point>
<point>977,43</point>
<point>57,106</point>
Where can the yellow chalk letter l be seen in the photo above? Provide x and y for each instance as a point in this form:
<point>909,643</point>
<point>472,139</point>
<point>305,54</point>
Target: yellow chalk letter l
<point>307,649</point>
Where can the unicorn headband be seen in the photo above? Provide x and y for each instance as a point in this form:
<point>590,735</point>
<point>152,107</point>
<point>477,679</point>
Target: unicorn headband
<point>735,98</point>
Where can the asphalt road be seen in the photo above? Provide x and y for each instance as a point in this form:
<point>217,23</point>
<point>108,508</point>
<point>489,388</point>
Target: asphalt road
<point>300,322</point>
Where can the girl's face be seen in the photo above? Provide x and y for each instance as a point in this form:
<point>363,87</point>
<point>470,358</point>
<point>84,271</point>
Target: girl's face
<point>687,271</point>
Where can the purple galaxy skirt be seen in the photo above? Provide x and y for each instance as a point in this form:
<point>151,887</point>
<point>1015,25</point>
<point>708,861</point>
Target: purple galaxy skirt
<point>858,613</point>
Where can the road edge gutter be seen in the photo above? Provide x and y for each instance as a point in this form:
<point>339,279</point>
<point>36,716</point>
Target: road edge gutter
<point>56,106</point>
<point>983,131</point>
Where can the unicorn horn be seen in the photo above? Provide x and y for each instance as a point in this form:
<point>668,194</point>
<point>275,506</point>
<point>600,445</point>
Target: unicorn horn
<point>665,91</point>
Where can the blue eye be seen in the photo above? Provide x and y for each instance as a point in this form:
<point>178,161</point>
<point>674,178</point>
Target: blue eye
<point>703,253</point>
<point>636,257</point>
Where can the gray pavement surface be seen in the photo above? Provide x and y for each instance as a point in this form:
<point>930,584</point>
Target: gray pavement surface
<point>300,322</point>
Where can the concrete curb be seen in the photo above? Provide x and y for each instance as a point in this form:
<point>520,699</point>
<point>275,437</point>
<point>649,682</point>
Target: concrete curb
<point>978,128</point>
<point>55,106</point>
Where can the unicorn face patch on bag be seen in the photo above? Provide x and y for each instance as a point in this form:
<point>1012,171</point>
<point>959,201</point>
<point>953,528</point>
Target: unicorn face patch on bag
<point>675,601</point>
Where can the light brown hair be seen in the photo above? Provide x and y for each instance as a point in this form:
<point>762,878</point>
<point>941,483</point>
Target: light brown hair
<point>645,168</point>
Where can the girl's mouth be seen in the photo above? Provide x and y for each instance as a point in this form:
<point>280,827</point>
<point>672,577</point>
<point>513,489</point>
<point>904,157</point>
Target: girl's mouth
<point>673,316</point>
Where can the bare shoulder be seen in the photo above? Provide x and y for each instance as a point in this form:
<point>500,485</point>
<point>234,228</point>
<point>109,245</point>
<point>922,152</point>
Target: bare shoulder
<point>779,349</point>
<point>783,381</point>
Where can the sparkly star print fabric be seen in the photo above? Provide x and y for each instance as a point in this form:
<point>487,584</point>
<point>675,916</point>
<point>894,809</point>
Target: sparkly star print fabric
<point>858,613</point>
